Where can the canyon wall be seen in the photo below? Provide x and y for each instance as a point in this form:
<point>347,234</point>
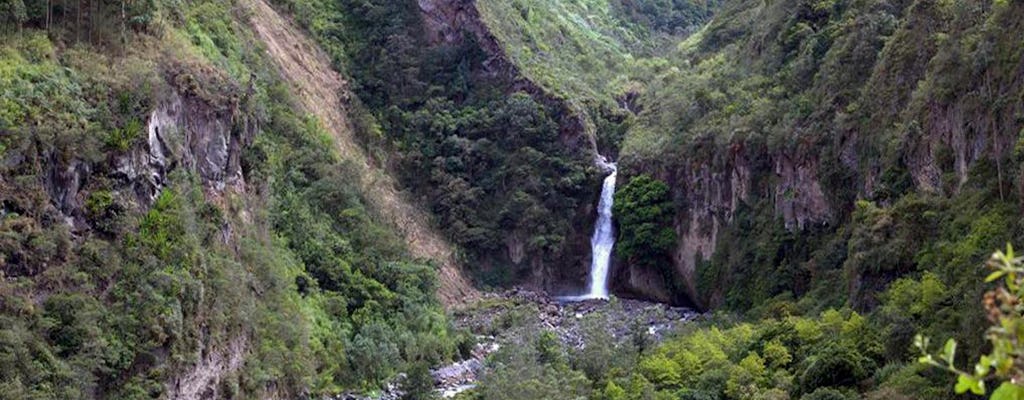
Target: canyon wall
<point>893,107</point>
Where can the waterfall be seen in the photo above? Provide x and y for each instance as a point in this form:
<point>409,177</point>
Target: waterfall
<point>603,240</point>
<point>604,237</point>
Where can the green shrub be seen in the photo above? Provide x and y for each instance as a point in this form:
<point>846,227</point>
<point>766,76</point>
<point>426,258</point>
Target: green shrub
<point>644,211</point>
<point>834,365</point>
<point>126,137</point>
<point>661,371</point>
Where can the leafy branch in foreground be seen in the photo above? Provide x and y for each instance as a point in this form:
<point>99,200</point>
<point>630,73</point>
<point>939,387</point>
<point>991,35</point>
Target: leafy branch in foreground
<point>1006,360</point>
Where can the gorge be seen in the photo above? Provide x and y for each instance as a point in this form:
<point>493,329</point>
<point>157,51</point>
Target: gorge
<point>359,199</point>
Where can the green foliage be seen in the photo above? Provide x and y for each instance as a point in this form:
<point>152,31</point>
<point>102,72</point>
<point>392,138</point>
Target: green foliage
<point>827,355</point>
<point>1001,361</point>
<point>101,23</point>
<point>644,211</point>
<point>834,366</point>
<point>487,161</point>
<point>367,287</point>
<point>828,394</point>
<point>528,372</point>
<point>296,274</point>
<point>14,13</point>
<point>674,16</point>
<point>125,138</point>
<point>419,384</point>
<point>661,371</point>
<point>817,81</point>
<point>590,50</point>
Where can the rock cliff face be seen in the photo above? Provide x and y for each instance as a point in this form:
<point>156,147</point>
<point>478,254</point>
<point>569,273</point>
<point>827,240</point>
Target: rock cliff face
<point>708,195</point>
<point>916,108</point>
<point>181,133</point>
<point>898,110</point>
<point>186,133</point>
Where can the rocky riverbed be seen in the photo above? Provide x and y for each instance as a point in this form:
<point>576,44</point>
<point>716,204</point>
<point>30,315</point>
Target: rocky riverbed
<point>515,317</point>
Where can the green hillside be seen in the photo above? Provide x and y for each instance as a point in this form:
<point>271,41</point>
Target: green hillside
<point>857,156</point>
<point>287,283</point>
<point>382,199</point>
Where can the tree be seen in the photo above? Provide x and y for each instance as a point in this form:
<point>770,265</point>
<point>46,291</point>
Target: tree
<point>644,212</point>
<point>1005,362</point>
<point>14,13</point>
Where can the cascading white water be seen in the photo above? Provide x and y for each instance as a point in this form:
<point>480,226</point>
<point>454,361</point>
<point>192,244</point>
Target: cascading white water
<point>604,237</point>
<point>603,240</point>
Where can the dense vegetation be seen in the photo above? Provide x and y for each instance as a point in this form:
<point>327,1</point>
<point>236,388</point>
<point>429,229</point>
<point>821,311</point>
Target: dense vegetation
<point>880,142</point>
<point>487,161</point>
<point>591,50</point>
<point>594,55</point>
<point>105,295</point>
<point>878,100</point>
<point>870,151</point>
<point>644,210</point>
<point>772,352</point>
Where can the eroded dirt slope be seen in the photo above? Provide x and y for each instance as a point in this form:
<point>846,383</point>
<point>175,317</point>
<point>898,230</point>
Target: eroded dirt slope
<point>323,93</point>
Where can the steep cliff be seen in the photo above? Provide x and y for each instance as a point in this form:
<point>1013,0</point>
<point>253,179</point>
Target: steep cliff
<point>453,23</point>
<point>172,225</point>
<point>583,62</point>
<point>505,167</point>
<point>794,111</point>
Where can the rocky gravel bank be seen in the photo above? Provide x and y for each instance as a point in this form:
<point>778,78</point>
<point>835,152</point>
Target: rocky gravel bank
<point>515,317</point>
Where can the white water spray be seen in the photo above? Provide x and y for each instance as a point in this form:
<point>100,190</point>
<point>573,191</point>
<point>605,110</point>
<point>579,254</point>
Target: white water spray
<point>603,240</point>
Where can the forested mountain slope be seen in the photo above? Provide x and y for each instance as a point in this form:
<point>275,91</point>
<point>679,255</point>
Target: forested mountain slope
<point>196,197</point>
<point>505,167</point>
<point>835,146</point>
<point>839,168</point>
<point>173,225</point>
<point>593,55</point>
<point>320,90</point>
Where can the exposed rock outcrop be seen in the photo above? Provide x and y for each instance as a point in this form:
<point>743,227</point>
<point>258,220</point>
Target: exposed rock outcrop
<point>185,133</point>
<point>203,380</point>
<point>708,194</point>
<point>181,132</point>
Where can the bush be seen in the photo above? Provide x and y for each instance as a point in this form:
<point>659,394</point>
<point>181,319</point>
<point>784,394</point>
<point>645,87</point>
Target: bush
<point>834,365</point>
<point>644,211</point>
<point>126,137</point>
<point>661,371</point>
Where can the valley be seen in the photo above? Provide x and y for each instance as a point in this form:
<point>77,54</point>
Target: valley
<point>511,199</point>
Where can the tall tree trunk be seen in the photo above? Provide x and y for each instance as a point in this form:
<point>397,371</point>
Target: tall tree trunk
<point>124,27</point>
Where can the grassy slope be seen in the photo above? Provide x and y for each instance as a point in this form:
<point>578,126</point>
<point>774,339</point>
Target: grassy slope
<point>591,50</point>
<point>578,49</point>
